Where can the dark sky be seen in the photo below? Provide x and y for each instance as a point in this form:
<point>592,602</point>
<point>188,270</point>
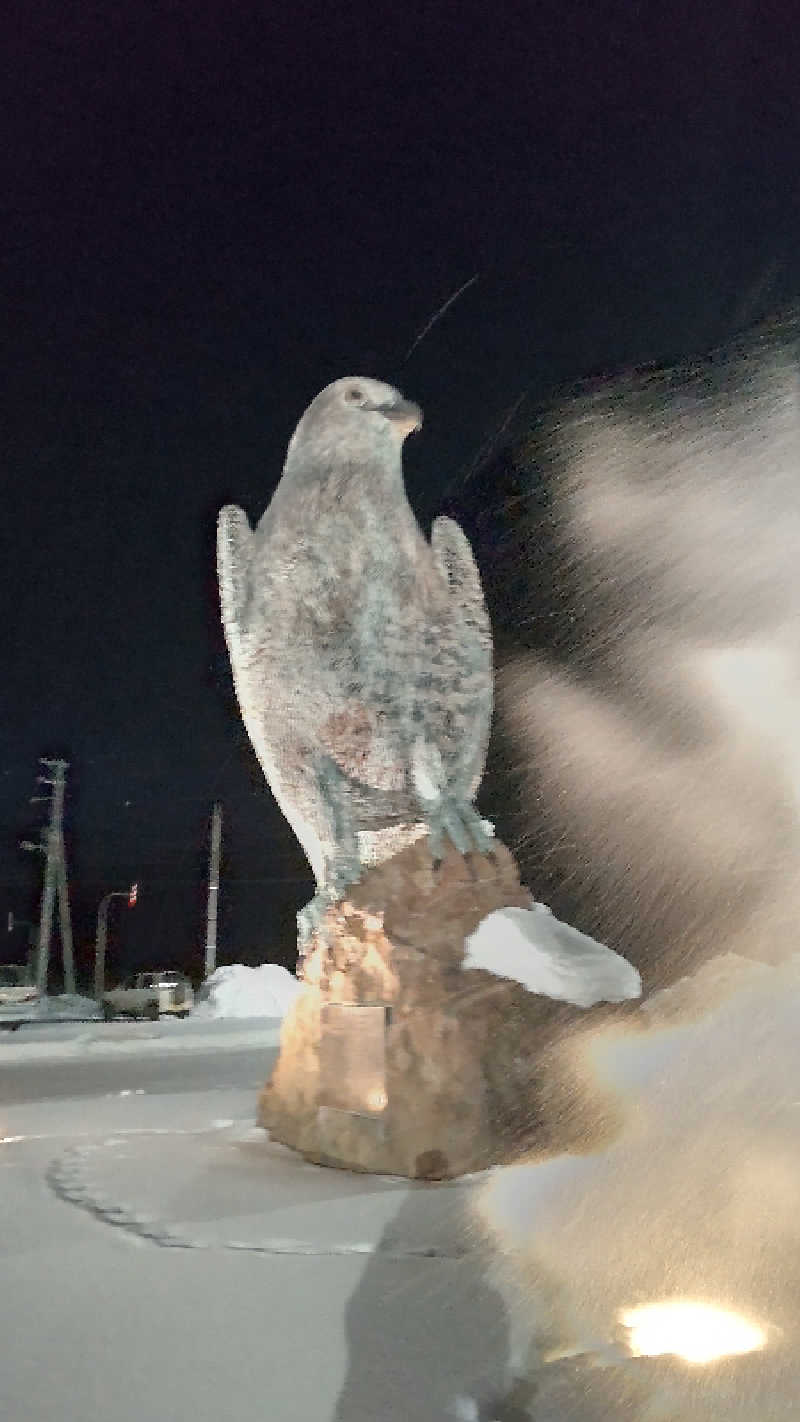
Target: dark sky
<point>210,211</point>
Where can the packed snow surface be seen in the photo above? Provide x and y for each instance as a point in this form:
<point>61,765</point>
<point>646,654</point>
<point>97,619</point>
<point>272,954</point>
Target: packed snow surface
<point>342,1298</point>
<point>237,991</point>
<point>546,956</point>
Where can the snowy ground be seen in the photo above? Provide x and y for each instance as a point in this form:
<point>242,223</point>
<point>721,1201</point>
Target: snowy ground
<point>82,1039</point>
<point>169,1262</point>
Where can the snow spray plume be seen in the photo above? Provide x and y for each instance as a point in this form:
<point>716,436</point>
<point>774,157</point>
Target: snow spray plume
<point>650,711</point>
<point>693,1206</point>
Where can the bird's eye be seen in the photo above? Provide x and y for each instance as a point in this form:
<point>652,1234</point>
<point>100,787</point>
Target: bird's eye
<point>354,395</point>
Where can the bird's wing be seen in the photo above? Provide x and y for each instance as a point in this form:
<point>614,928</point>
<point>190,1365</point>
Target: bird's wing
<point>465,655</point>
<point>234,555</point>
<point>453,556</point>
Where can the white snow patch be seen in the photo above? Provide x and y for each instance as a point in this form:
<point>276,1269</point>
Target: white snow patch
<point>237,991</point>
<point>531,947</point>
<point>465,1409</point>
<point>69,1005</point>
<point>63,1007</point>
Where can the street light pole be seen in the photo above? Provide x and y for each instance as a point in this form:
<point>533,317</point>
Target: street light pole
<point>100,940</point>
<point>213,890</point>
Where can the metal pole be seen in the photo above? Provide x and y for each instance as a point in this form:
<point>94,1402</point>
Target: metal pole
<point>46,919</point>
<point>100,939</point>
<point>59,768</point>
<point>66,926</point>
<point>213,890</point>
<point>55,879</point>
<point>100,948</point>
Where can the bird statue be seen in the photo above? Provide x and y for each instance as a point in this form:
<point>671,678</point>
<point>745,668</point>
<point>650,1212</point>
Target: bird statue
<point>361,652</point>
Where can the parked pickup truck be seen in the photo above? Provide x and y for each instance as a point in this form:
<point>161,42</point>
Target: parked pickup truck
<point>152,995</point>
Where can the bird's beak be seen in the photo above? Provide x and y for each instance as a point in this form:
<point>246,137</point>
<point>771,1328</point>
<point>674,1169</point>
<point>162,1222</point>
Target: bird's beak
<point>404,414</point>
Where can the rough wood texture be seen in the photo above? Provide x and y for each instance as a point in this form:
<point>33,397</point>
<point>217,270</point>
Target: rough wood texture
<point>477,1069</point>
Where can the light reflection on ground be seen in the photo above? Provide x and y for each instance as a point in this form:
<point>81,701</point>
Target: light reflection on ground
<point>696,1332</point>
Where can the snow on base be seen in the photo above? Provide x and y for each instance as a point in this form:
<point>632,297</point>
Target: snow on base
<point>548,957</point>
<point>237,991</point>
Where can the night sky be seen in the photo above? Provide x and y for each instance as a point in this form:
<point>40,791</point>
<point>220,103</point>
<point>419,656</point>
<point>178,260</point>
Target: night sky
<point>209,212</point>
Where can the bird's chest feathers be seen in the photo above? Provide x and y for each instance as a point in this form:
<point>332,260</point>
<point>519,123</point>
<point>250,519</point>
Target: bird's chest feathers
<point>361,604</point>
<point>349,566</point>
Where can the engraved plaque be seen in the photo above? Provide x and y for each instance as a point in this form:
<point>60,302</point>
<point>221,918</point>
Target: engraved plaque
<point>353,1057</point>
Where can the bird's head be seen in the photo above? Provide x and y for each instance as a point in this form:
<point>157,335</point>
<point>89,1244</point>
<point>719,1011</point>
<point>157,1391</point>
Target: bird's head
<point>355,418</point>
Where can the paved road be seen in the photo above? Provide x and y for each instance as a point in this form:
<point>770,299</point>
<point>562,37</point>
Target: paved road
<point>224,1068</point>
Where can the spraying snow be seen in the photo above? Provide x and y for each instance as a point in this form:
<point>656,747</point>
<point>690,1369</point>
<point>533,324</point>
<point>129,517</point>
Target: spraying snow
<point>694,1203</point>
<point>650,711</point>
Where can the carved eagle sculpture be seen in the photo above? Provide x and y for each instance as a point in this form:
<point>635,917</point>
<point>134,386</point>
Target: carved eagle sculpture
<point>361,652</point>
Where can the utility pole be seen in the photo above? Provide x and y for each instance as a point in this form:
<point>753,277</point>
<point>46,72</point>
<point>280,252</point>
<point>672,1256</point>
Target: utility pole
<point>213,889</point>
<point>65,925</point>
<point>55,879</point>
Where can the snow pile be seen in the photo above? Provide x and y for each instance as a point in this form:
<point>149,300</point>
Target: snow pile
<point>67,1006</point>
<point>548,957</point>
<point>63,1007</point>
<point>237,991</point>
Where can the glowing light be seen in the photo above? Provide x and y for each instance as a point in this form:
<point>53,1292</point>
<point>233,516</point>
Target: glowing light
<point>696,1332</point>
<point>377,1099</point>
